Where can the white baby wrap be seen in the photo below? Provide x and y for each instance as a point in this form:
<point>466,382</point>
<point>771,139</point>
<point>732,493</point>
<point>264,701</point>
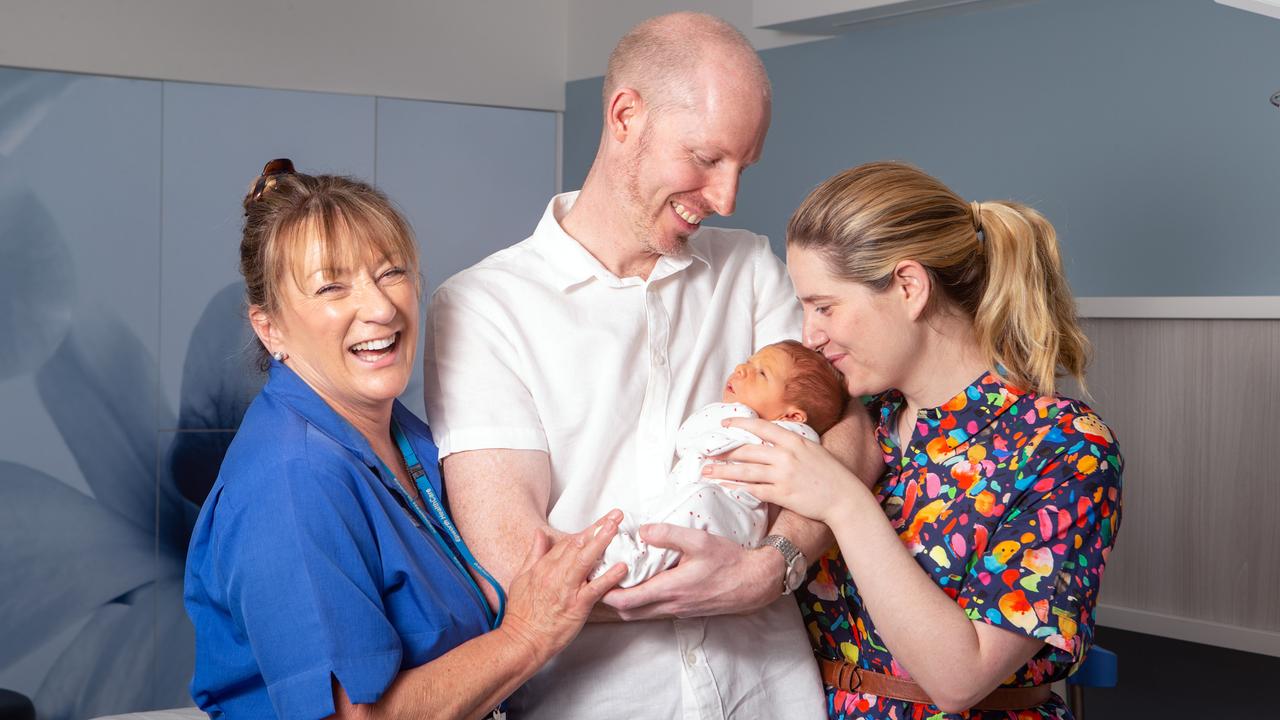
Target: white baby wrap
<point>693,502</point>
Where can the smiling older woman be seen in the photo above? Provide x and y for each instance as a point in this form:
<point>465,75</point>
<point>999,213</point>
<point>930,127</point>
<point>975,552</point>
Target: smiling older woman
<point>325,576</point>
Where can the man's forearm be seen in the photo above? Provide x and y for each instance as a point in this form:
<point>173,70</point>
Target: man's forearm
<point>853,442</point>
<point>812,537</point>
<point>500,539</point>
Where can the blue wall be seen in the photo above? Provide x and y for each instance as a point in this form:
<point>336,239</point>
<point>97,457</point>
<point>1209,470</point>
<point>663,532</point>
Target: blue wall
<point>123,364</point>
<point>1141,128</point>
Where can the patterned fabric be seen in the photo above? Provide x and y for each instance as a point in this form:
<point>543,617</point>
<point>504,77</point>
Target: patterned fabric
<point>1010,501</point>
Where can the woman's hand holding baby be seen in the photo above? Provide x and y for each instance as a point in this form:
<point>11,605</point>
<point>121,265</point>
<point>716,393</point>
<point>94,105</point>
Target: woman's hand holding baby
<point>788,471</point>
<point>853,442</point>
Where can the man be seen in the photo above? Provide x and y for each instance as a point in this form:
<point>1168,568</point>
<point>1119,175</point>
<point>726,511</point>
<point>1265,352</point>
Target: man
<point>558,370</point>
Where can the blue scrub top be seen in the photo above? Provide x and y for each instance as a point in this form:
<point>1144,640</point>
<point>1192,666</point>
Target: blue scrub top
<point>304,566</point>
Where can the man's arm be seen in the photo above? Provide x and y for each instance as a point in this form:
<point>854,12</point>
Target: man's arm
<point>853,442</point>
<point>498,499</point>
<point>717,576</point>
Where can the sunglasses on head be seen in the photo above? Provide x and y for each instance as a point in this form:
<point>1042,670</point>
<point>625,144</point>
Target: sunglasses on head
<point>267,180</point>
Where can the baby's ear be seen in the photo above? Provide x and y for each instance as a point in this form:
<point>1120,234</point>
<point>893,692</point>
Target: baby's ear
<point>795,414</point>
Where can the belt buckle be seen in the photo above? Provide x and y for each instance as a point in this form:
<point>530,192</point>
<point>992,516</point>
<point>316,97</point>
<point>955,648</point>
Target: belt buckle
<point>854,673</point>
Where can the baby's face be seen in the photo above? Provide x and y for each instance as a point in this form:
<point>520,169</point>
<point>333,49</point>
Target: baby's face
<point>760,382</point>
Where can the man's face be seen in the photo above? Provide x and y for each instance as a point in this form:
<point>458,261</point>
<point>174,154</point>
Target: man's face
<point>687,162</point>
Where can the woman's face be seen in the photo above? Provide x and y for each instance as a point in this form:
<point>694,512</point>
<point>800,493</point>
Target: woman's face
<point>867,335</point>
<point>351,332</point>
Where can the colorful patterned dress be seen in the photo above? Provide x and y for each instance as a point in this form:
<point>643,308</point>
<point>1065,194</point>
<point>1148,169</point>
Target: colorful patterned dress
<point>1011,502</point>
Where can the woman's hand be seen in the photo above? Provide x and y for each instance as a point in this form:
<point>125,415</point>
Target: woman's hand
<point>550,597</point>
<point>788,471</point>
<point>547,604</point>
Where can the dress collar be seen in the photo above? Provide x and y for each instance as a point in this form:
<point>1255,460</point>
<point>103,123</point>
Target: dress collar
<point>284,385</point>
<point>942,429</point>
<point>572,265</point>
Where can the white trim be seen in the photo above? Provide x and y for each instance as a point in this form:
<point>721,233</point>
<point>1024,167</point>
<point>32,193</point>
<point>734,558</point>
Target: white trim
<point>1262,7</point>
<point>1259,307</point>
<point>825,17</point>
<point>559,152</point>
<point>1234,637</point>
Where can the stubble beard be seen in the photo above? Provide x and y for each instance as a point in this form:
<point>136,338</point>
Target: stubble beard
<point>645,230</point>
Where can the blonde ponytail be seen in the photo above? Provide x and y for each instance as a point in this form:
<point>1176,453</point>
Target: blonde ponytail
<point>1025,319</point>
<point>997,262</point>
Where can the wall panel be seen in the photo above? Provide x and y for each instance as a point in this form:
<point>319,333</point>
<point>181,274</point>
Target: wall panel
<point>123,363</point>
<point>216,140</point>
<point>79,288</point>
<point>1194,405</point>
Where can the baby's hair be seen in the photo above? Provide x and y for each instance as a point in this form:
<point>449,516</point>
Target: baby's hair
<point>815,387</point>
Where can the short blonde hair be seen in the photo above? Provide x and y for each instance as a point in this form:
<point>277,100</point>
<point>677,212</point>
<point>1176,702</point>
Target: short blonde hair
<point>997,261</point>
<point>659,56</point>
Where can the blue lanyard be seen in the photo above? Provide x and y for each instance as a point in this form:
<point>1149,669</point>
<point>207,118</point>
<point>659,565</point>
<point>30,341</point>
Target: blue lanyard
<point>454,545</point>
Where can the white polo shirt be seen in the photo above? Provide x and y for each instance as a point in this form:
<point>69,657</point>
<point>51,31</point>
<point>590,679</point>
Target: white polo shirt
<point>539,347</point>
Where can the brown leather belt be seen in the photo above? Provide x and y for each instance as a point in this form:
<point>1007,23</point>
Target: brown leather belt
<point>851,678</point>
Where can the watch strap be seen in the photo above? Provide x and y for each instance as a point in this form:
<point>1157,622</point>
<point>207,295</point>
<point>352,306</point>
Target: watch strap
<point>794,558</point>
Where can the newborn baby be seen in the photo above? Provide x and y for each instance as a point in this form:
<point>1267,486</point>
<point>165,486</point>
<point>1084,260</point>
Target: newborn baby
<point>785,382</point>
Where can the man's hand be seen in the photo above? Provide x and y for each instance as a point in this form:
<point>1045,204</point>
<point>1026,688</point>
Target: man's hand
<point>715,576</point>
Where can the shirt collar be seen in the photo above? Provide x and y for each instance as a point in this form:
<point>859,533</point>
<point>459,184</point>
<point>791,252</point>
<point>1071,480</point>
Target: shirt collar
<point>284,385</point>
<point>571,263</point>
<point>942,429</point>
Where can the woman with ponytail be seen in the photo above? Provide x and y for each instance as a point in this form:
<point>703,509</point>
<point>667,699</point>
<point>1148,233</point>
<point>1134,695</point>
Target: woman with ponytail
<point>1002,498</point>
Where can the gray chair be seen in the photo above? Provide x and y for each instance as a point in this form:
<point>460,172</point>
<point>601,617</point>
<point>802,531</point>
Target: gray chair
<point>16,706</point>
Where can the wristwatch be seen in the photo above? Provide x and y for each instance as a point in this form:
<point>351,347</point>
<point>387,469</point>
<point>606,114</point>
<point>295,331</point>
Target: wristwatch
<point>796,563</point>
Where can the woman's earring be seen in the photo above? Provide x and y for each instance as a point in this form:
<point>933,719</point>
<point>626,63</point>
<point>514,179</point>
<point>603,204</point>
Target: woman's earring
<point>279,356</point>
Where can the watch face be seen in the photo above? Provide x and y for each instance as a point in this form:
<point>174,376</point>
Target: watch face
<point>795,576</point>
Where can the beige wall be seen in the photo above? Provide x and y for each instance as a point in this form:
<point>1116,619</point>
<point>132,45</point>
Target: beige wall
<point>515,53</point>
<point>489,52</point>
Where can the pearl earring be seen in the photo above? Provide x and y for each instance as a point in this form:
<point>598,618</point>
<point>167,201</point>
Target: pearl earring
<point>279,356</point>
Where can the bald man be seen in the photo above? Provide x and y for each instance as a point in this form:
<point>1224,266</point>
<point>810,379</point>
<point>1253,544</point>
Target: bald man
<point>558,370</point>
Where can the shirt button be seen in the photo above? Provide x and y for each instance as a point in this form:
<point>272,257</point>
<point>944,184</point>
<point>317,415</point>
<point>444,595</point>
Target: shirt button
<point>691,658</point>
<point>659,360</point>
